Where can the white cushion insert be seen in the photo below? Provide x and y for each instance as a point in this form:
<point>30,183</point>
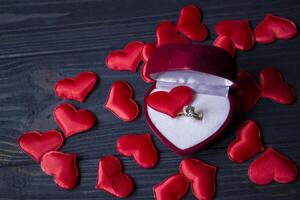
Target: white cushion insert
<point>185,132</point>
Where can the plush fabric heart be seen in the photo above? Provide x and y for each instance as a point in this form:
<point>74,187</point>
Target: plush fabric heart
<point>225,43</point>
<point>273,27</point>
<point>76,88</point>
<point>127,59</point>
<point>247,143</point>
<point>62,167</point>
<point>274,87</point>
<point>272,165</point>
<point>120,101</point>
<point>172,188</point>
<point>170,103</point>
<point>140,147</point>
<point>189,23</point>
<point>112,179</point>
<point>73,121</point>
<point>201,176</point>
<point>246,93</point>
<point>146,52</point>
<point>239,31</point>
<point>167,33</point>
<point>35,144</point>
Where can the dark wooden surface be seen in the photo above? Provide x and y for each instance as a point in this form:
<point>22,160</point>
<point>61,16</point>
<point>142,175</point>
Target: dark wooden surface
<point>42,41</point>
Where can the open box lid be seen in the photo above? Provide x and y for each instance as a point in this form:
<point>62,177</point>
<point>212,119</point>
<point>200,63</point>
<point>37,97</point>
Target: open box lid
<point>205,68</point>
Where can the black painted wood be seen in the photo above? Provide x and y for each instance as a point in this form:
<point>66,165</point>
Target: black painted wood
<point>43,41</point>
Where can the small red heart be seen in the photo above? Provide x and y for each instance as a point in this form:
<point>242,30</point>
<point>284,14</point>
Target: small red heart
<point>62,167</point>
<point>112,179</point>
<point>274,87</point>
<point>246,93</point>
<point>201,176</point>
<point>171,103</point>
<point>273,27</point>
<point>76,88</point>
<point>167,33</point>
<point>189,23</point>
<point>239,31</point>
<point>35,144</point>
<point>225,43</point>
<point>140,147</point>
<point>127,59</point>
<point>146,52</point>
<point>272,165</point>
<point>172,188</point>
<point>120,102</point>
<point>247,143</point>
<point>143,73</point>
<point>73,121</point>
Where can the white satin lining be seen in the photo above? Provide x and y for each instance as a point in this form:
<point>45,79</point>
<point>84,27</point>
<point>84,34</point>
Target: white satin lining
<point>185,132</point>
<point>200,82</point>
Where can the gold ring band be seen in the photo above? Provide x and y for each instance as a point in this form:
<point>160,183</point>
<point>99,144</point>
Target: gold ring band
<point>189,111</point>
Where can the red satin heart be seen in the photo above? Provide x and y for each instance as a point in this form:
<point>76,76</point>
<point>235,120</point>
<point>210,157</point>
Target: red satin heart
<point>166,33</point>
<point>272,165</point>
<point>246,93</point>
<point>273,27</point>
<point>35,144</point>
<point>73,121</point>
<point>112,179</point>
<point>189,23</point>
<point>62,167</point>
<point>247,143</point>
<point>146,52</point>
<point>225,43</point>
<point>239,31</point>
<point>274,87</point>
<point>140,147</point>
<point>172,188</point>
<point>170,103</point>
<point>120,102</point>
<point>201,176</point>
<point>126,59</point>
<point>76,88</point>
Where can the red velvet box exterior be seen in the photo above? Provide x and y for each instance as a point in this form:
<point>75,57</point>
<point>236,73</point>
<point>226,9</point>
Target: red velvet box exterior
<point>202,58</point>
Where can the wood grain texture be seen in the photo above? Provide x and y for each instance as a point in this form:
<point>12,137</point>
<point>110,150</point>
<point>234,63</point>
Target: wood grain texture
<point>43,41</point>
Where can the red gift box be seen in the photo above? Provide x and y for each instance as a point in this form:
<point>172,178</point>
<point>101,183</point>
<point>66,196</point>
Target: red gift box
<point>210,72</point>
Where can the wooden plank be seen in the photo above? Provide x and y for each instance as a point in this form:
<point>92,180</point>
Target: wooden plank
<point>43,41</point>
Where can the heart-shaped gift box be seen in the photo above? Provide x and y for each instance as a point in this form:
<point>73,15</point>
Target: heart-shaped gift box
<point>210,72</point>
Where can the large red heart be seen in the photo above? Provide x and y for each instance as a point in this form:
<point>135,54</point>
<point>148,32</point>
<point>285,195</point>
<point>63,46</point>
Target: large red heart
<point>274,87</point>
<point>239,31</point>
<point>201,176</point>
<point>170,103</point>
<point>76,88</point>
<point>246,93</point>
<point>272,165</point>
<point>35,144</point>
<point>247,143</point>
<point>140,147</point>
<point>73,121</point>
<point>172,188</point>
<point>274,27</point>
<point>120,102</point>
<point>62,167</point>
<point>189,23</point>
<point>112,179</point>
<point>225,43</point>
<point>126,59</point>
<point>167,33</point>
<point>146,52</point>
